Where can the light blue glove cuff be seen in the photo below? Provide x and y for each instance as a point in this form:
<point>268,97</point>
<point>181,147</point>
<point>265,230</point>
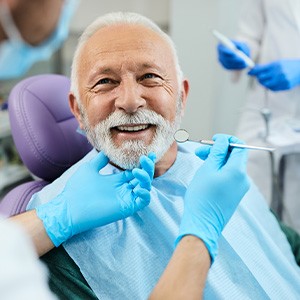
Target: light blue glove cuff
<point>55,220</point>
<point>209,235</point>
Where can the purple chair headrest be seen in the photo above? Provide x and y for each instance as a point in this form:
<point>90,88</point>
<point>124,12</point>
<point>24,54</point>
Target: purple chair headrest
<point>43,127</point>
<point>16,200</point>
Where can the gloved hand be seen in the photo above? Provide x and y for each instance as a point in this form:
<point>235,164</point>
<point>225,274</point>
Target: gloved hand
<point>215,192</point>
<point>229,59</point>
<point>90,199</point>
<point>279,75</point>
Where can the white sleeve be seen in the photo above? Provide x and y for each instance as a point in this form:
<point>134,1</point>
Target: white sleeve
<point>251,25</point>
<point>22,275</point>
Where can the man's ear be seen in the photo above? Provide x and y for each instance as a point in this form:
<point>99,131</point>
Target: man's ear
<point>185,87</point>
<point>74,106</point>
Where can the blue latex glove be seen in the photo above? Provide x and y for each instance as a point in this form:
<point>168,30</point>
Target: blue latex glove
<point>280,75</point>
<point>215,192</point>
<point>91,200</point>
<point>229,59</point>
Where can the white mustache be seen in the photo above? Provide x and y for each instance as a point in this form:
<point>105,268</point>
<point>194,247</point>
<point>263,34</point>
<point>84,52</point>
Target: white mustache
<point>142,116</point>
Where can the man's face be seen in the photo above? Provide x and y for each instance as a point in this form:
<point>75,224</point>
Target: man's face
<point>130,99</point>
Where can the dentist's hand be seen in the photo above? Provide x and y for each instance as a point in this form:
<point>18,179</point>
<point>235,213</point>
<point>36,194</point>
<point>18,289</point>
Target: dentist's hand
<point>91,200</point>
<point>215,191</point>
<point>229,59</point>
<point>279,75</point>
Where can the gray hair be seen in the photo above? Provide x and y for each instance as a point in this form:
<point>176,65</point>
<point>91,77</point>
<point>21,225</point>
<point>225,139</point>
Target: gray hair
<point>116,18</point>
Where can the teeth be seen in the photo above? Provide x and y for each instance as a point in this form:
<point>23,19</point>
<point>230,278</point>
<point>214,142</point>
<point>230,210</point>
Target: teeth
<point>132,128</point>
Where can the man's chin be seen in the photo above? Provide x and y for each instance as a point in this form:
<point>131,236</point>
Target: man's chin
<point>125,162</point>
<point>128,156</point>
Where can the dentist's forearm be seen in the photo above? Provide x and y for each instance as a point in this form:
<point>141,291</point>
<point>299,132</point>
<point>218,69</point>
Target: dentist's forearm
<point>34,227</point>
<point>185,275</point>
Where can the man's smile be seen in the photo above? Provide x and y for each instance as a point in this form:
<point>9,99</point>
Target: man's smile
<point>133,127</point>
<point>133,132</point>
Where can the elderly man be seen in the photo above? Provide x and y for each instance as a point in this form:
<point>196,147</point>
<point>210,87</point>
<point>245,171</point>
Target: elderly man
<point>128,95</point>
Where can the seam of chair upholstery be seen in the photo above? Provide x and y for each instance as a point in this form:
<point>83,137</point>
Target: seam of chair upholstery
<point>38,150</point>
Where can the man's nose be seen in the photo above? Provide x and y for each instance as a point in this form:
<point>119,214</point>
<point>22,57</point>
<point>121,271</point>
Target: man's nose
<point>130,97</point>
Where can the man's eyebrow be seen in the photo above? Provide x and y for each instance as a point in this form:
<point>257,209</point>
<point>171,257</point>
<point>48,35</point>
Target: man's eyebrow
<point>150,66</point>
<point>146,65</point>
<point>99,71</point>
<point>104,70</point>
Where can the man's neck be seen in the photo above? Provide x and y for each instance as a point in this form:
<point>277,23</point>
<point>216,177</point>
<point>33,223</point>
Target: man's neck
<point>166,161</point>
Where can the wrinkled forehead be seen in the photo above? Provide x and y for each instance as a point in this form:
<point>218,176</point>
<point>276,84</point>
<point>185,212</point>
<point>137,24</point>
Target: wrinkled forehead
<point>127,41</point>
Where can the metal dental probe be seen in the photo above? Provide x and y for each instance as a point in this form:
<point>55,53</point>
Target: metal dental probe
<point>182,136</point>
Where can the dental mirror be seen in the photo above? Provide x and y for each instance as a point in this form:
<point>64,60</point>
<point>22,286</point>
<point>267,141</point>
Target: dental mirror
<point>181,136</point>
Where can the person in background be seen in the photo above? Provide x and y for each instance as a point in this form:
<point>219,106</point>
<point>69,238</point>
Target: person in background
<point>128,94</point>
<point>30,31</point>
<point>269,32</point>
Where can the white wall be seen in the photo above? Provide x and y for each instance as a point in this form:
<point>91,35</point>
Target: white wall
<point>214,102</point>
<point>157,10</point>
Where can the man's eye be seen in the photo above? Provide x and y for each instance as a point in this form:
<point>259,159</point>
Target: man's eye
<point>104,81</point>
<point>104,84</point>
<point>149,76</point>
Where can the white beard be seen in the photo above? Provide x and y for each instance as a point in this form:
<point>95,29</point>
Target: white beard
<point>127,155</point>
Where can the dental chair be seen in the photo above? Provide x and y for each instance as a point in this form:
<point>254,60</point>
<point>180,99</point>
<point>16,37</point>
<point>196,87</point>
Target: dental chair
<point>44,132</point>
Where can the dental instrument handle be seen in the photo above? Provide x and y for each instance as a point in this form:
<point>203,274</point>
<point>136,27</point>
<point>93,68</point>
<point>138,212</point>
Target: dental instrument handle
<point>229,44</point>
<point>209,142</point>
<point>181,136</point>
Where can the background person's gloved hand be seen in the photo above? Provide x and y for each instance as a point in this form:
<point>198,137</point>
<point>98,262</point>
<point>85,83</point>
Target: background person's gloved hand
<point>215,191</point>
<point>279,75</point>
<point>90,199</point>
<point>229,60</point>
